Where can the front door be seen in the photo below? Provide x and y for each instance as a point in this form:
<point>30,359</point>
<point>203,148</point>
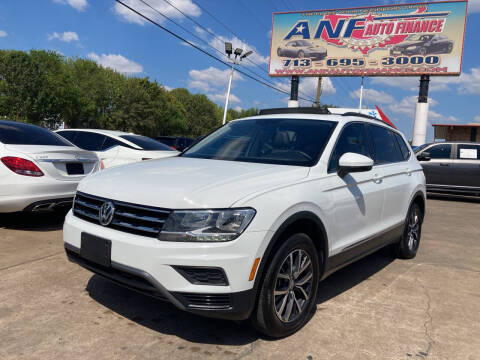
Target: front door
<point>437,170</point>
<point>358,197</point>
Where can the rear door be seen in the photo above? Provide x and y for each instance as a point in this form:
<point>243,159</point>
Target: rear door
<point>358,197</point>
<point>393,171</point>
<point>465,168</point>
<point>437,170</point>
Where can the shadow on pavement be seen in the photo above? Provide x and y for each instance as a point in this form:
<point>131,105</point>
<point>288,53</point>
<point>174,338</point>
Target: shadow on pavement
<point>165,318</point>
<point>354,274</point>
<point>48,221</point>
<point>456,198</point>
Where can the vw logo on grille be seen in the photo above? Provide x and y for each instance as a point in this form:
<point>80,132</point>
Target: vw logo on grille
<point>105,215</point>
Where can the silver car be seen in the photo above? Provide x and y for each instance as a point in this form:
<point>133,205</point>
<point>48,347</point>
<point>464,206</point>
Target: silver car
<point>451,167</point>
<point>302,49</point>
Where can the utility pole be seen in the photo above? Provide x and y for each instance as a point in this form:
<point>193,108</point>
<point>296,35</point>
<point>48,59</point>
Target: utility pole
<point>319,91</point>
<point>238,55</point>
<point>228,93</point>
<point>421,113</point>
<point>361,95</point>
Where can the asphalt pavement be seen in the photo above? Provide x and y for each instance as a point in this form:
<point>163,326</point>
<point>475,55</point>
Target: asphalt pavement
<point>377,308</point>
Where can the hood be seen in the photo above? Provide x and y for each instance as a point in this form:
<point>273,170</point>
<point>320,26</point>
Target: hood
<point>408,44</point>
<point>186,183</point>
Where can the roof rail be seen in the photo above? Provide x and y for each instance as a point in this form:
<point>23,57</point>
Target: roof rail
<point>295,110</point>
<point>351,113</point>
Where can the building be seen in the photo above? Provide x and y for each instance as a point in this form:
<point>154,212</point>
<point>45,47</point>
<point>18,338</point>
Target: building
<point>456,132</point>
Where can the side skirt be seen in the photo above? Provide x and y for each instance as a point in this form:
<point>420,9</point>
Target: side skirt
<point>363,248</point>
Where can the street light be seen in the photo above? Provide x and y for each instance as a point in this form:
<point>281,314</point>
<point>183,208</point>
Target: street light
<point>236,60</point>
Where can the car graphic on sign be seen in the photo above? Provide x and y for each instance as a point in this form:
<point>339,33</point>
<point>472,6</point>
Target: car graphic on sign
<point>302,49</point>
<point>423,45</point>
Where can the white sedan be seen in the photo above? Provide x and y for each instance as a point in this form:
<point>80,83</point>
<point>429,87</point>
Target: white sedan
<point>39,170</point>
<point>116,147</point>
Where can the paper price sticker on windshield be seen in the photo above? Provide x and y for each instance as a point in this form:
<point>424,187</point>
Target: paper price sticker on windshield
<point>468,154</point>
<point>397,40</point>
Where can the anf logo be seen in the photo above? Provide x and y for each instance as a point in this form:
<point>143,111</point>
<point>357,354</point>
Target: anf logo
<point>105,215</point>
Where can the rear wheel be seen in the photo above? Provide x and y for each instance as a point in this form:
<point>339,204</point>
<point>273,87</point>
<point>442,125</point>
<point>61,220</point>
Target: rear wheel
<point>288,293</point>
<point>408,246</point>
<point>301,54</point>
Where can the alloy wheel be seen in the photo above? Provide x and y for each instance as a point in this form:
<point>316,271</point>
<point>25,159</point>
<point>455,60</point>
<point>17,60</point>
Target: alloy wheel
<point>414,224</point>
<point>293,286</point>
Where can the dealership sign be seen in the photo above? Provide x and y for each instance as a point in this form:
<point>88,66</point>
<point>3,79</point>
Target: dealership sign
<point>398,40</point>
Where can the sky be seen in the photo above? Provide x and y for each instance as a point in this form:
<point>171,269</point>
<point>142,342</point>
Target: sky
<point>111,35</point>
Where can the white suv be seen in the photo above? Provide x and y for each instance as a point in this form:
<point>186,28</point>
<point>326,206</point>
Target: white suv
<point>244,224</point>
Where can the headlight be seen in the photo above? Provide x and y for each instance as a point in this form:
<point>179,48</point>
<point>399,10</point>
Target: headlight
<point>206,225</point>
<point>411,48</point>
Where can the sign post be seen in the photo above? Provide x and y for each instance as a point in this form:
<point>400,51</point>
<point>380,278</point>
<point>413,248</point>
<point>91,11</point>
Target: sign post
<point>421,113</point>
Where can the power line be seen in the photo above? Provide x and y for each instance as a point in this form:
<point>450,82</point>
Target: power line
<point>253,15</point>
<point>200,39</point>
<point>209,31</point>
<point>202,50</point>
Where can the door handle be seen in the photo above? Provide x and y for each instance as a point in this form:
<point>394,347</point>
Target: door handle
<point>444,164</point>
<point>377,179</point>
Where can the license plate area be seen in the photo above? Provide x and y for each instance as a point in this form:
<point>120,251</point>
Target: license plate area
<point>75,169</point>
<point>96,249</point>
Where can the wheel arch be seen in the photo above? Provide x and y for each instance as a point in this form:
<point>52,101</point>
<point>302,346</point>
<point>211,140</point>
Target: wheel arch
<point>419,198</point>
<point>303,221</point>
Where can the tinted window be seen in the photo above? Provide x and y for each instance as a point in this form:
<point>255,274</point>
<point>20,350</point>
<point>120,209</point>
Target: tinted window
<point>89,140</point>
<point>69,135</point>
<point>468,152</point>
<point>384,144</point>
<point>25,134</point>
<point>146,143</point>
<point>304,43</point>
<point>353,139</point>
<point>111,142</point>
<point>270,141</point>
<point>441,151</point>
<point>403,147</point>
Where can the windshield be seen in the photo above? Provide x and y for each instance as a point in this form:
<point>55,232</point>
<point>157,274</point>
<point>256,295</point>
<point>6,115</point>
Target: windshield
<point>24,134</point>
<point>270,141</point>
<point>146,143</point>
<point>421,37</point>
<point>417,149</point>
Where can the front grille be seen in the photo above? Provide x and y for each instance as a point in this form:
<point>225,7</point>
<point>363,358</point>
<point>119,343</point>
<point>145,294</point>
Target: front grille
<point>131,218</point>
<point>205,301</point>
<point>203,275</point>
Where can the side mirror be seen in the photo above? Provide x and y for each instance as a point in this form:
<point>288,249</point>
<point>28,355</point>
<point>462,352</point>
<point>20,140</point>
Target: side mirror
<point>424,156</point>
<point>352,163</point>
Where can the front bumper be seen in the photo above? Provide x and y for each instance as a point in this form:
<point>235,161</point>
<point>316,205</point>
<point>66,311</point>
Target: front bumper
<point>147,265</point>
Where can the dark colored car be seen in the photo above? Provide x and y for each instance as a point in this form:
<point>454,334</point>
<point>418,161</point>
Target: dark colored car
<point>451,167</point>
<point>302,49</point>
<point>176,142</point>
<point>423,45</point>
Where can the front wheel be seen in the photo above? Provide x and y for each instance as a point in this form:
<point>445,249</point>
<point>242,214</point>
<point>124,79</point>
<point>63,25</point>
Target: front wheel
<point>288,292</point>
<point>408,246</point>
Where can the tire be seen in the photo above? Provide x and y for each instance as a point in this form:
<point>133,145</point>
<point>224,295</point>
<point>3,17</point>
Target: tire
<point>282,314</point>
<point>423,51</point>
<point>408,246</point>
<point>449,49</point>
<point>301,54</point>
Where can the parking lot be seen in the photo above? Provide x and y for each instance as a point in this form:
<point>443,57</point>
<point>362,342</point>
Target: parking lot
<point>378,308</point>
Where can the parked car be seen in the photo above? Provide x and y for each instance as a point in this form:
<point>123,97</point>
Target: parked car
<point>39,170</point>
<point>451,167</point>
<point>302,49</point>
<point>246,222</point>
<point>423,45</point>
<point>116,147</point>
<point>175,142</point>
